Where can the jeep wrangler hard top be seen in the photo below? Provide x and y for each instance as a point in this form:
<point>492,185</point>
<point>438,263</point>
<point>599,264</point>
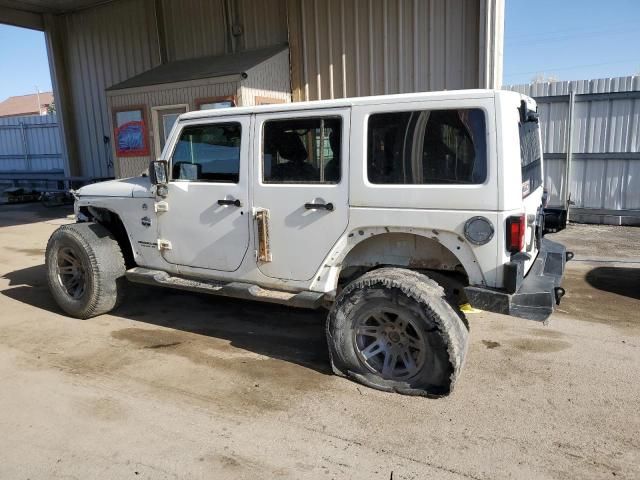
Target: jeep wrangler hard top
<point>389,210</point>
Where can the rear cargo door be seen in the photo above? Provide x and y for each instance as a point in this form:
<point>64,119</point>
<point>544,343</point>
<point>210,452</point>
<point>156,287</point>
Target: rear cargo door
<point>532,183</point>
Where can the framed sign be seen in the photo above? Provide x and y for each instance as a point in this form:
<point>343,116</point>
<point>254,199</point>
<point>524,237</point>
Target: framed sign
<point>130,132</point>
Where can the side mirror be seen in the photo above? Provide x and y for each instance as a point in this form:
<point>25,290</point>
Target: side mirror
<point>159,172</point>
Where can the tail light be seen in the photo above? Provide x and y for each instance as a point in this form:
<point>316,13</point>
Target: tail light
<point>515,233</point>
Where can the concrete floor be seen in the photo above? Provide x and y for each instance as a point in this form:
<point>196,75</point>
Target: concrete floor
<point>177,385</point>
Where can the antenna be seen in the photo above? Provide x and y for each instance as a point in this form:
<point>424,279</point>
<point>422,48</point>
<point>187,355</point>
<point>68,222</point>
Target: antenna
<point>39,104</point>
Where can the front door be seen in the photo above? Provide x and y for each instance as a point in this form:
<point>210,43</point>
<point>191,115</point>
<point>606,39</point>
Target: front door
<point>163,120</point>
<point>302,180</point>
<point>207,222</point>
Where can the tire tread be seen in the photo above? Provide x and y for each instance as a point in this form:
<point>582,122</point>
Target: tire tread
<point>431,296</point>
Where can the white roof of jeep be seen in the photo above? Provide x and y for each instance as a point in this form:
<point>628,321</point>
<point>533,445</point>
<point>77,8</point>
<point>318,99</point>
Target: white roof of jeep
<point>348,102</point>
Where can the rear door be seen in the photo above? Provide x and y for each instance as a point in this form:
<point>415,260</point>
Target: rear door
<point>302,181</point>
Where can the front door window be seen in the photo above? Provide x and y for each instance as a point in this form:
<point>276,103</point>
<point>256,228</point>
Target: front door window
<point>208,153</point>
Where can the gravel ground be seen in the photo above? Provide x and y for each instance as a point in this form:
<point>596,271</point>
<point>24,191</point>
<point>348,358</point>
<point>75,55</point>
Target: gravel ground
<point>178,385</point>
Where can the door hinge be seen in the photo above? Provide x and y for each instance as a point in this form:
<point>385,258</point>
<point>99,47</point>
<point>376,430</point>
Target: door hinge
<point>164,244</point>
<point>161,207</point>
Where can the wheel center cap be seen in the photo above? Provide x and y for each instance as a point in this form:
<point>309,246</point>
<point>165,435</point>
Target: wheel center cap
<point>394,337</point>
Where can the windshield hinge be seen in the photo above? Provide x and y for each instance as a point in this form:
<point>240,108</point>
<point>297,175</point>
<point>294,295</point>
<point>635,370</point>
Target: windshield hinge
<point>164,244</point>
<point>161,207</point>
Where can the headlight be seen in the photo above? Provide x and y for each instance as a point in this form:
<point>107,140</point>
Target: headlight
<point>478,230</point>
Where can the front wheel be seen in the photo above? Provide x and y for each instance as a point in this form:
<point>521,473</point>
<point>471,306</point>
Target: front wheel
<point>394,330</point>
<point>85,269</point>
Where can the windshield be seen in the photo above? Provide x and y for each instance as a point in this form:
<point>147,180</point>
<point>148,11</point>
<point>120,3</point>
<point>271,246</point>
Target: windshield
<point>530,157</point>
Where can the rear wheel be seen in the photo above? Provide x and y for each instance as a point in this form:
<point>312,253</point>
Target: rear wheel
<point>393,329</point>
<point>85,269</point>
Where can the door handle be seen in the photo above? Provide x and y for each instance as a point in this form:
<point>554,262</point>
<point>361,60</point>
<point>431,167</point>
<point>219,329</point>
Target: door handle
<point>235,202</point>
<point>319,206</point>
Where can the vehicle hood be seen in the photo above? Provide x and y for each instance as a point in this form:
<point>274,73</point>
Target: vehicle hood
<point>123,187</point>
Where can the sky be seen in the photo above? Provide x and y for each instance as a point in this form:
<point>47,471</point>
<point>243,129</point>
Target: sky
<point>563,39</point>
<point>571,39</point>
<point>23,62</point>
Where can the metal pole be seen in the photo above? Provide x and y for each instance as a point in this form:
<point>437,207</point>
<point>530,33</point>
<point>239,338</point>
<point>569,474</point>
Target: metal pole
<point>39,104</point>
<point>25,146</point>
<point>322,150</point>
<point>567,167</point>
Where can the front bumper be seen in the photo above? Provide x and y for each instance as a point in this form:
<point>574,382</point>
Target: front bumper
<point>533,296</point>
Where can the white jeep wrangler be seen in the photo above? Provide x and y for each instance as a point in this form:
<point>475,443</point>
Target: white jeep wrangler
<point>389,210</point>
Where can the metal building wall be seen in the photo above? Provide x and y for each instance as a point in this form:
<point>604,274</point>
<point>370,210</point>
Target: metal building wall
<point>103,46</point>
<point>194,28</point>
<point>344,48</point>
<point>31,144</point>
<point>107,44</point>
<point>338,48</point>
<point>262,24</point>
<point>605,167</point>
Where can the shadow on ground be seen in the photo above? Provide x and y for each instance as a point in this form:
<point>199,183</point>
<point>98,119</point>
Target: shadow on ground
<point>607,294</point>
<point>620,280</point>
<point>284,333</point>
<point>24,213</point>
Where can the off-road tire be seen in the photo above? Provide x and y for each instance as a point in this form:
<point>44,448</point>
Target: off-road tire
<point>102,263</point>
<point>424,302</point>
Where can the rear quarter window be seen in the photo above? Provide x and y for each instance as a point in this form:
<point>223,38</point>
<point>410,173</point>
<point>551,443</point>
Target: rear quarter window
<point>530,157</point>
<point>427,147</point>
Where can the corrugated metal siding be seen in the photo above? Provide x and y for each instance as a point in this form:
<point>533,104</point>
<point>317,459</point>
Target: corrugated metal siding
<point>263,26</point>
<point>182,93</point>
<point>601,126</point>
<point>40,135</point>
<point>369,47</point>
<point>105,45</point>
<point>339,48</point>
<point>269,79</point>
<point>194,28</point>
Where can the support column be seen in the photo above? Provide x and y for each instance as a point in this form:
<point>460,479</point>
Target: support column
<point>491,43</point>
<point>55,40</point>
<point>566,201</point>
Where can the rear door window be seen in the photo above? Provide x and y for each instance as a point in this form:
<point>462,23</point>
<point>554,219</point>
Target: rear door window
<point>302,150</point>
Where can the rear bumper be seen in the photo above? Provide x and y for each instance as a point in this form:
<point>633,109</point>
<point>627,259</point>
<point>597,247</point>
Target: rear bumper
<point>532,297</point>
